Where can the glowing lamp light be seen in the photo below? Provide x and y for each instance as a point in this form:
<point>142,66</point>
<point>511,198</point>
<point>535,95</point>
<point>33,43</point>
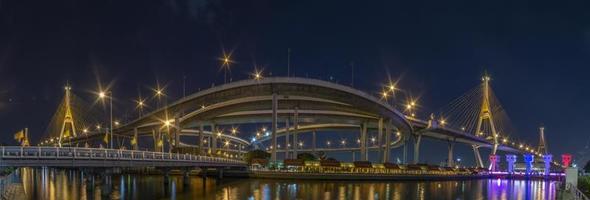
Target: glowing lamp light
<point>391,87</point>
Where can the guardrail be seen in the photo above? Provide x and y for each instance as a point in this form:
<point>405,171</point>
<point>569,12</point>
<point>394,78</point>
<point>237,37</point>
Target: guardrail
<point>6,182</point>
<point>81,153</point>
<point>570,191</point>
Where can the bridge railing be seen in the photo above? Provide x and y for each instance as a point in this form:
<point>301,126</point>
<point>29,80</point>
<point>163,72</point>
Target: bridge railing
<point>81,153</point>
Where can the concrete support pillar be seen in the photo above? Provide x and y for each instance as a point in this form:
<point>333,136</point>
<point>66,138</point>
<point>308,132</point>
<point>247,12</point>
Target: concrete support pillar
<point>214,138</point>
<point>287,135</point>
<point>160,140</point>
<point>405,156</point>
<point>220,173</point>
<point>313,142</point>
<point>177,131</point>
<point>295,132</point>
<point>273,154</point>
<point>511,159</point>
<point>155,137</point>
<point>450,159</point>
<point>353,156</point>
<point>528,162</point>
<point>387,148</point>
<point>379,138</point>
<point>494,163</point>
<point>209,144</point>
<point>201,140</point>
<point>417,141</point>
<point>566,160</point>
<point>364,153</point>
<point>548,158</point>
<point>478,159</point>
<point>136,145</point>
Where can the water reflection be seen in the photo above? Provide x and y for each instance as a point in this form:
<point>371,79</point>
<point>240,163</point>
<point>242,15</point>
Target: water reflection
<point>70,184</point>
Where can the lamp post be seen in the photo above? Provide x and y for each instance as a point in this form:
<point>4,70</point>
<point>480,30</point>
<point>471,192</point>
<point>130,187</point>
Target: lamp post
<point>109,95</point>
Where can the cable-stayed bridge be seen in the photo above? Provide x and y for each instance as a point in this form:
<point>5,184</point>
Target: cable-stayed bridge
<point>295,108</point>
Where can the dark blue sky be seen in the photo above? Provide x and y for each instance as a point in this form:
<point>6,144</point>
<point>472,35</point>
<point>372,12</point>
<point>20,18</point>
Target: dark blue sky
<point>537,52</point>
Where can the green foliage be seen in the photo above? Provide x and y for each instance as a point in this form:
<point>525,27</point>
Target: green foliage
<point>6,170</point>
<point>584,184</point>
<point>306,156</point>
<point>587,167</point>
<point>256,154</point>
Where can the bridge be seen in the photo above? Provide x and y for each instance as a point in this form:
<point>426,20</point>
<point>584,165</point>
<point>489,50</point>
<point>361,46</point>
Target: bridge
<point>293,108</point>
<point>93,157</point>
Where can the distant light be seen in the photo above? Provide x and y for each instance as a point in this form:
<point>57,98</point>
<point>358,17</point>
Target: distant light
<point>391,87</point>
<point>102,94</point>
<point>384,94</point>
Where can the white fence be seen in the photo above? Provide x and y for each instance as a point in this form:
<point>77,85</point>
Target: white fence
<point>79,153</point>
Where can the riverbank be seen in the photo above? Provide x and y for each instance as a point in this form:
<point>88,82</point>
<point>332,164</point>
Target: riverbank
<point>355,177</point>
<point>11,187</point>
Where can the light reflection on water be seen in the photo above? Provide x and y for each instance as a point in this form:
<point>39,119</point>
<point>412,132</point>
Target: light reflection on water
<point>69,184</point>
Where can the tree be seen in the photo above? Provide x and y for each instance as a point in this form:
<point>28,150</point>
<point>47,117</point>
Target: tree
<point>256,154</point>
<point>587,167</point>
<point>306,156</point>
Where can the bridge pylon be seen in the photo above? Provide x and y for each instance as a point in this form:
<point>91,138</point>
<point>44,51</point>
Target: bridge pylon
<point>486,116</point>
<point>542,148</point>
<point>68,128</point>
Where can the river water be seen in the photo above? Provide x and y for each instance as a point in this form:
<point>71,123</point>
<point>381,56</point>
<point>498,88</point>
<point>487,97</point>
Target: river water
<point>71,184</point>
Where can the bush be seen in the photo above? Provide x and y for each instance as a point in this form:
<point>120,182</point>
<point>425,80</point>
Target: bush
<point>256,154</point>
<point>584,184</point>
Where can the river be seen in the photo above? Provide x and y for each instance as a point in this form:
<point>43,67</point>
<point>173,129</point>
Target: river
<point>71,184</point>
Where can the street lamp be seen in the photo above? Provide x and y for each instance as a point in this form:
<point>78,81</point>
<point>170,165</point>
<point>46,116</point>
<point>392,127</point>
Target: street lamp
<point>257,75</point>
<point>140,104</point>
<point>108,94</point>
<point>158,93</point>
<point>225,62</point>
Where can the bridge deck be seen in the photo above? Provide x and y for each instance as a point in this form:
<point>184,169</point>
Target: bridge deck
<point>93,157</point>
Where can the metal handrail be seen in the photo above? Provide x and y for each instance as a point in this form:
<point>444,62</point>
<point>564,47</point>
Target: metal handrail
<point>83,153</point>
<point>575,192</point>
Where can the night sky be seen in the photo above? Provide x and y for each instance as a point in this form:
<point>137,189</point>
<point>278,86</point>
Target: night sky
<point>537,53</point>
